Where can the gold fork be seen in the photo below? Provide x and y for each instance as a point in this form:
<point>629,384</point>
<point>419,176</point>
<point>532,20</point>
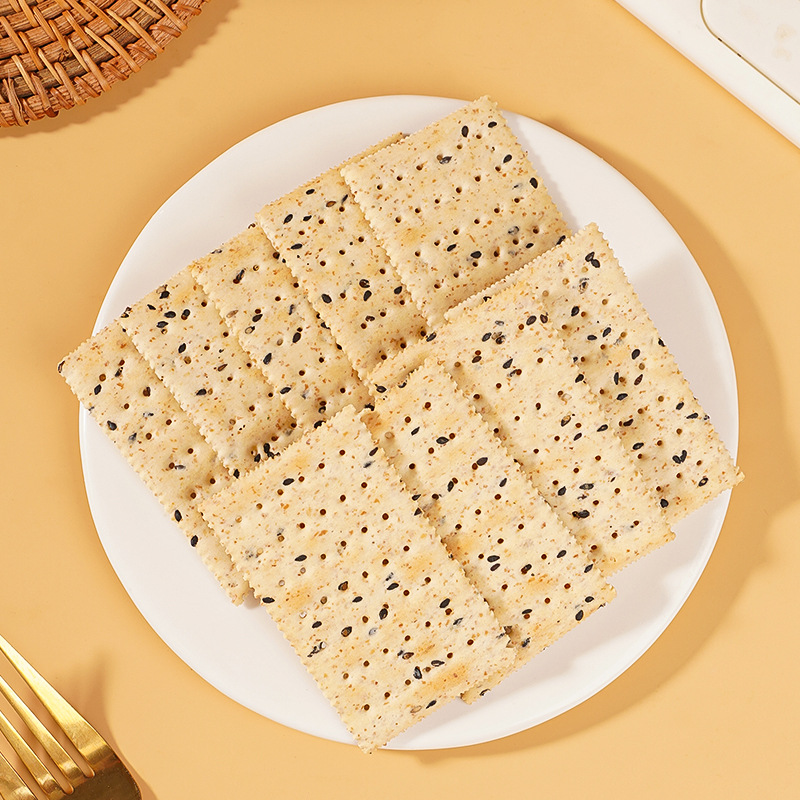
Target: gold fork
<point>104,775</point>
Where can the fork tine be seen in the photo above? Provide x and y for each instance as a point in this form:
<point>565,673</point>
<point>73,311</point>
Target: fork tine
<point>12,786</point>
<point>85,738</point>
<point>34,764</point>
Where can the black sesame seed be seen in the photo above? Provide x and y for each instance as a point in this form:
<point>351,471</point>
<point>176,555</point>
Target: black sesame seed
<point>465,131</point>
<point>286,389</point>
<point>392,585</point>
<point>287,218</point>
<point>481,461</point>
<point>622,395</point>
<point>415,432</point>
<point>267,358</point>
<point>178,516</point>
<point>430,337</point>
<point>607,331</point>
<point>111,425</point>
<point>418,673</point>
<point>492,559</point>
<point>638,445</point>
<point>301,557</point>
<point>561,554</point>
<point>193,541</point>
<point>475,254</point>
<point>588,568</point>
<point>703,481</point>
<point>444,603</point>
<point>288,481</point>
<point>296,337</point>
<point>562,491</point>
<point>579,615</point>
<point>582,514</point>
<point>579,378</point>
<point>575,311</point>
<point>442,440</point>
<point>347,631</point>
<point>367,294</point>
<point>326,298</point>
<point>534,183</point>
<point>636,353</point>
<point>587,486</point>
<point>200,393</point>
<point>383,613</point>
<point>432,703</point>
<point>531,319</point>
<point>267,599</point>
<point>664,503</point>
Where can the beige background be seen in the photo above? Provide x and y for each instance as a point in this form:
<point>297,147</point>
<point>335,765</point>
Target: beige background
<point>711,709</point>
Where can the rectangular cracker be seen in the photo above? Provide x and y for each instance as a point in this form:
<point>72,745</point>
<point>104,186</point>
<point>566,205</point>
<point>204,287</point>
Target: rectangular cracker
<point>631,371</point>
<point>330,248</point>
<point>457,206</point>
<point>264,306</point>
<point>358,581</point>
<point>180,333</point>
<point>537,579</point>
<point>507,357</point>
<point>146,424</point>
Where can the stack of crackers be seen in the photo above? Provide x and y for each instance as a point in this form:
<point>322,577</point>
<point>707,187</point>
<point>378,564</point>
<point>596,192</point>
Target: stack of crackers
<point>413,414</point>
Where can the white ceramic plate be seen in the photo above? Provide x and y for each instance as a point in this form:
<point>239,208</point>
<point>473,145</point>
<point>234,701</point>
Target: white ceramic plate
<point>239,650</point>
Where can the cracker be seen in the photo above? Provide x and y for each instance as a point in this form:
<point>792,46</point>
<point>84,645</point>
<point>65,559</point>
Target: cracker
<point>265,308</point>
<point>537,579</point>
<point>179,331</point>
<point>352,573</point>
<point>632,372</point>
<point>456,205</point>
<point>507,357</point>
<point>145,423</point>
<point>330,248</point>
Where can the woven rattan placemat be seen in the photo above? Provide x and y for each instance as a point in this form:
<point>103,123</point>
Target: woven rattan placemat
<point>56,54</point>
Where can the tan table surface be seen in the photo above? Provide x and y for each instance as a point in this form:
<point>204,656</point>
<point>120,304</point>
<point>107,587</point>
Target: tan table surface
<point>711,709</point>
